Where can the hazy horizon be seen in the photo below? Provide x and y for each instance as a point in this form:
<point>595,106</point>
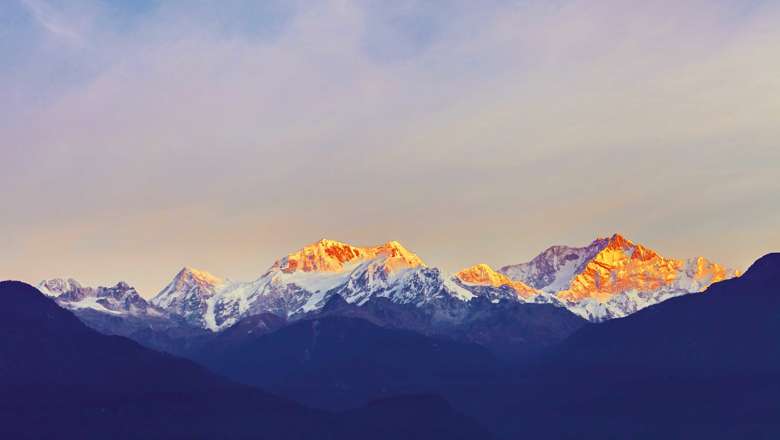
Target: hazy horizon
<point>140,136</point>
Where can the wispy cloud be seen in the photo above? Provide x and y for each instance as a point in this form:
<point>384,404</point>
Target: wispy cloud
<point>54,22</point>
<point>456,130</point>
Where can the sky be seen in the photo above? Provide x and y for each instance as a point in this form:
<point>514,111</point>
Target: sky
<point>140,136</point>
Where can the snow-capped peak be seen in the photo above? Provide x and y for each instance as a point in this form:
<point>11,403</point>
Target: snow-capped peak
<point>484,275</point>
<point>614,276</point>
<point>553,269</point>
<point>624,266</point>
<point>328,266</point>
<point>121,299</point>
<point>188,294</point>
<point>191,276</point>
<point>617,246</point>
<point>304,280</point>
<point>335,256</point>
<point>57,286</point>
<point>397,257</point>
<point>608,278</point>
<point>188,282</point>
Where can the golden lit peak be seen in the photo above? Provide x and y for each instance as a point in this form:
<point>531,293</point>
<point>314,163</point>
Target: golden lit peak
<point>483,275</point>
<point>617,241</point>
<point>200,276</point>
<point>331,256</point>
<point>624,266</point>
<point>394,244</point>
<point>325,242</point>
<point>396,250</point>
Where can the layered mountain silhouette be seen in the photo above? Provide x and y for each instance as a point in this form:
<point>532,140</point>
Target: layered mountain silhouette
<point>600,341</point>
<point>59,378</point>
<point>121,310</point>
<point>510,330</point>
<point>733,326</point>
<point>697,366</point>
<point>337,361</point>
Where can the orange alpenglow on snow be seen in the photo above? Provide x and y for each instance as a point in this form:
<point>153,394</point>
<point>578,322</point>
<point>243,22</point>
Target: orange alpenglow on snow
<point>333,256</point>
<point>623,266</point>
<point>484,275</point>
<point>189,276</point>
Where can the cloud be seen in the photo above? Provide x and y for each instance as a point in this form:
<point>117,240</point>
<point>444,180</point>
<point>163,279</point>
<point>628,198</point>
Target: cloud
<point>49,18</point>
<point>468,132</point>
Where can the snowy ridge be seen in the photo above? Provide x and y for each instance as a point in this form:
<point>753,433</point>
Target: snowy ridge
<point>303,281</point>
<point>188,295</point>
<point>120,300</point>
<point>484,275</point>
<point>57,286</point>
<point>553,270</point>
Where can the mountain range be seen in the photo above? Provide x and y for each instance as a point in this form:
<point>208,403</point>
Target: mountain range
<point>61,379</point>
<point>610,278</point>
<point>695,366</point>
<point>597,341</point>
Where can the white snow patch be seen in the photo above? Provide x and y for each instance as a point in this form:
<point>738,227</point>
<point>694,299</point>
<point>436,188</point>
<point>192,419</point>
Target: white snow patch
<point>457,290</point>
<point>563,276</point>
<point>91,303</point>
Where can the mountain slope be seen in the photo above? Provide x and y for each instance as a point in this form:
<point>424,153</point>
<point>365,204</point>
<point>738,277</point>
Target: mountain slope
<point>733,325</point>
<point>484,275</point>
<point>188,295</point>
<point>120,310</point>
<point>121,299</point>
<point>553,269</point>
<point>88,383</point>
<point>336,361</point>
<point>696,366</point>
<point>512,330</point>
<point>61,379</point>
